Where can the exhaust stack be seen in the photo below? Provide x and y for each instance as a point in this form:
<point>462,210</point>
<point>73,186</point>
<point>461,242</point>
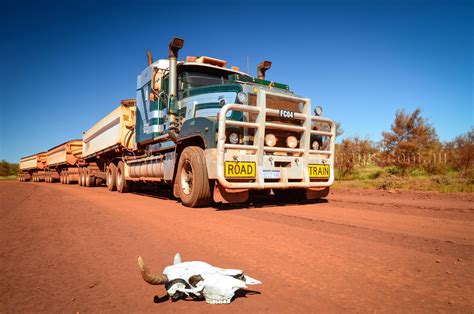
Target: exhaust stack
<point>175,45</point>
<point>149,56</point>
<point>262,68</point>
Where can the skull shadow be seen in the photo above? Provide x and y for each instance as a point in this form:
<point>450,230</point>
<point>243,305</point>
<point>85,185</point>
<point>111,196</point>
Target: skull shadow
<point>241,293</point>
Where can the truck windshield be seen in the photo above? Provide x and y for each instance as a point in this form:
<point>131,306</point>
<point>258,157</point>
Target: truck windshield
<point>196,79</point>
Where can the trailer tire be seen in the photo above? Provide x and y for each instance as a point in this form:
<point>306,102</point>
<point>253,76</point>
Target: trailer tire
<point>67,177</point>
<point>193,182</point>
<point>79,178</point>
<point>123,186</point>
<point>83,176</point>
<point>90,180</point>
<point>111,177</point>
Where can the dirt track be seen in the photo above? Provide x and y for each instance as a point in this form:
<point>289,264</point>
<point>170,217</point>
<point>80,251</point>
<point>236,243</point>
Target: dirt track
<point>69,249</point>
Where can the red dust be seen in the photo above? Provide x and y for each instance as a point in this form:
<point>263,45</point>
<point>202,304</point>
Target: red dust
<point>73,249</point>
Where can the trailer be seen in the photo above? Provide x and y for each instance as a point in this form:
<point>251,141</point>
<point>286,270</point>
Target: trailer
<point>62,162</point>
<point>32,168</point>
<point>105,143</point>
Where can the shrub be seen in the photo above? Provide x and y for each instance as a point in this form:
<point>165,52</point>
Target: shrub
<point>411,142</point>
<point>353,152</point>
<point>460,153</point>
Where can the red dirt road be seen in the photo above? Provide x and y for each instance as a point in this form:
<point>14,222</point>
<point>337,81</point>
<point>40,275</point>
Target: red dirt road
<point>73,249</point>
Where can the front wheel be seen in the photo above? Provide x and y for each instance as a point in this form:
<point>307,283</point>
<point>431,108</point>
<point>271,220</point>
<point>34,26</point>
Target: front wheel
<point>193,183</point>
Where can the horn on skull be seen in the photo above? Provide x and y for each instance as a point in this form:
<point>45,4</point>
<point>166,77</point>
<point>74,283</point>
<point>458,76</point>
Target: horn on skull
<point>148,276</point>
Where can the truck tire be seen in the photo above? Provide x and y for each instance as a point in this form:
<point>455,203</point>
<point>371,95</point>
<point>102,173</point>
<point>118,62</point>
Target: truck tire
<point>67,178</point>
<point>90,180</point>
<point>111,177</point>
<point>79,178</point>
<point>122,185</point>
<point>193,182</point>
<point>83,177</point>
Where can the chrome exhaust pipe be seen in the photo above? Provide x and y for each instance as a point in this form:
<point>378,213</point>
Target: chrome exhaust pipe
<point>175,45</point>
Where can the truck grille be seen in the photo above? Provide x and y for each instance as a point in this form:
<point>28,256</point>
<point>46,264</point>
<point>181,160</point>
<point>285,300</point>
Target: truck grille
<point>278,103</point>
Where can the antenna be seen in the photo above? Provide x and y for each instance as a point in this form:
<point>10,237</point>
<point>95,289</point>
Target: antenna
<point>248,65</point>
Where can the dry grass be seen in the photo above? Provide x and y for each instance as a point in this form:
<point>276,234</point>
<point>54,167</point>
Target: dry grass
<point>7,178</point>
<point>374,177</point>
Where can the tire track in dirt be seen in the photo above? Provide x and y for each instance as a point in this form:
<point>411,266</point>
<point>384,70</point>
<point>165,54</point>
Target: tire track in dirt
<point>69,238</point>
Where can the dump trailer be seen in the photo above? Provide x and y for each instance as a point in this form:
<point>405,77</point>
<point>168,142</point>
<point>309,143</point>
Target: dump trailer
<point>105,144</point>
<point>213,133</point>
<point>62,162</point>
<point>32,168</point>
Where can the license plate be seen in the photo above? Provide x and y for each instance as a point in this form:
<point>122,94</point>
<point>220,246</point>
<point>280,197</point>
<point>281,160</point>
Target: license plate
<point>241,169</point>
<point>287,114</point>
<point>270,174</point>
<point>318,171</point>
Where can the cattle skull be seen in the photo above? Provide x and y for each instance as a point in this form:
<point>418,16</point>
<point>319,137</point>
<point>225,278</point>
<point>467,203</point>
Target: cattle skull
<point>198,280</point>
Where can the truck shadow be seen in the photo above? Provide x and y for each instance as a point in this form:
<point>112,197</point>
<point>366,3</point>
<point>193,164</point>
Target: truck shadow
<point>266,201</point>
<point>256,200</point>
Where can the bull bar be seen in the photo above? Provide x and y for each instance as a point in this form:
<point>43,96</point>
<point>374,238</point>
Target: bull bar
<point>260,126</point>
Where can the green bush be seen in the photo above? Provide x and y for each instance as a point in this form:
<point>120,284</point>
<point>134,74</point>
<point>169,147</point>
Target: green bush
<point>8,169</point>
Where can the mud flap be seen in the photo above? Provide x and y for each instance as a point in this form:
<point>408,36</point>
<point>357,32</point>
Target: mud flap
<point>223,195</point>
<point>314,193</point>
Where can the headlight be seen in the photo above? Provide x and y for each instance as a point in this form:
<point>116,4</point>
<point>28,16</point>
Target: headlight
<point>270,140</point>
<point>318,110</point>
<point>242,98</point>
<point>234,138</point>
<point>291,141</point>
<point>315,145</point>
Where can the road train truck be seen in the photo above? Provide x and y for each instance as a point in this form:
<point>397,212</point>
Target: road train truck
<point>212,133</point>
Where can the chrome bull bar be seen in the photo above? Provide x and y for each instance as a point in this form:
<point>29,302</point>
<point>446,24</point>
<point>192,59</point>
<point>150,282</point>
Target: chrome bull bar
<point>260,126</point>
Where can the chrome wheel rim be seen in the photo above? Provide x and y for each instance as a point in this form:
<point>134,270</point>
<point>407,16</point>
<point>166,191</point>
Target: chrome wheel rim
<point>187,178</point>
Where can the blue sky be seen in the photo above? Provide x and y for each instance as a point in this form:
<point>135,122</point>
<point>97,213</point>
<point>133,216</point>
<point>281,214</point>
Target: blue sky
<point>66,64</point>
